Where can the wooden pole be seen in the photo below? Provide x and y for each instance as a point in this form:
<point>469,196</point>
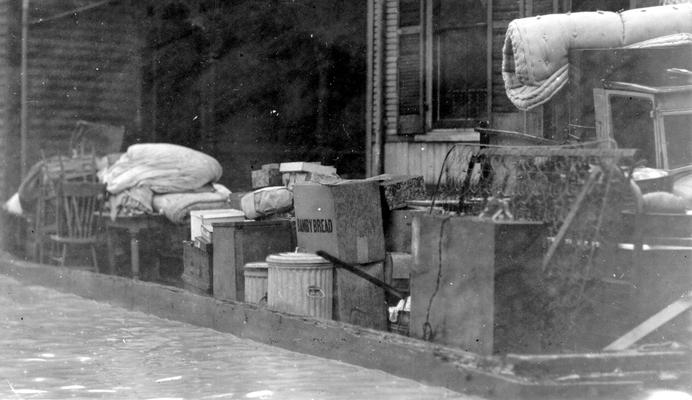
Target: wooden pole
<point>570,217</point>
<point>369,88</point>
<point>489,62</point>
<point>24,87</point>
<point>654,322</point>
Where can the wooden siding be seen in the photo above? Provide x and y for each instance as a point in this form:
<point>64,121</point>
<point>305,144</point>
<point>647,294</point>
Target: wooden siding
<point>86,66</point>
<point>415,158</point>
<point>376,102</point>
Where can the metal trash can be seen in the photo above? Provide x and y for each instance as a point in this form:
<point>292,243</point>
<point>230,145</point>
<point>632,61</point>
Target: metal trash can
<point>255,282</point>
<point>300,283</point>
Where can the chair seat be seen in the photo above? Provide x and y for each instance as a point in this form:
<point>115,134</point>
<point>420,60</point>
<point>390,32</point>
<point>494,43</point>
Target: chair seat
<point>70,240</point>
<point>46,229</point>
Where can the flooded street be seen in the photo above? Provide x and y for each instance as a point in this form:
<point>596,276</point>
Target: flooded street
<point>55,345</point>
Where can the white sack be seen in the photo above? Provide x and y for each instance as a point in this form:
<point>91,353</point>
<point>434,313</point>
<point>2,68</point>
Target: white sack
<point>165,168</point>
<point>535,51</point>
<point>177,206</point>
<point>13,206</point>
<point>267,201</point>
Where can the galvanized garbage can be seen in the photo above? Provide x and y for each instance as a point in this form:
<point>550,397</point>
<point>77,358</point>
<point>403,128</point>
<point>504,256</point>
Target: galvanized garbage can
<point>300,283</point>
<point>255,282</point>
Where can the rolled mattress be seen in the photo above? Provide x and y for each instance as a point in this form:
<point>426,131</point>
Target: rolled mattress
<point>535,63</point>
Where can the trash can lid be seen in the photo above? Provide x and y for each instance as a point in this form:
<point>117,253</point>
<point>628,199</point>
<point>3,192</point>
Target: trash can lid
<point>256,265</point>
<point>296,258</point>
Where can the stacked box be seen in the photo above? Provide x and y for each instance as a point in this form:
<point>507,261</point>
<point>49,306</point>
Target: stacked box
<point>343,219</point>
<point>197,268</point>
<point>397,229</point>
<point>397,189</point>
<point>358,301</point>
<point>203,219</point>
<point>268,175</point>
<point>397,270</point>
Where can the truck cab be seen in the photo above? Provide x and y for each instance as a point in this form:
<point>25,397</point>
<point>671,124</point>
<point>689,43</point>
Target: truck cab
<point>655,120</point>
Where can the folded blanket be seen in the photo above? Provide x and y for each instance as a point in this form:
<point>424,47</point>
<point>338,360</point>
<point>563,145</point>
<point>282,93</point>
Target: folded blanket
<point>133,201</point>
<point>535,51</point>
<point>165,168</point>
<point>177,206</point>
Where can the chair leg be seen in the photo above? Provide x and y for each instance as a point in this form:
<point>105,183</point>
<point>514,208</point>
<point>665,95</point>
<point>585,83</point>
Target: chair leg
<point>93,257</point>
<point>64,255</point>
<point>110,249</point>
<point>39,249</point>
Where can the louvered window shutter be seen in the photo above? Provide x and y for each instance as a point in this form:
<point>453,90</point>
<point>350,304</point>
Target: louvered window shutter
<point>411,67</point>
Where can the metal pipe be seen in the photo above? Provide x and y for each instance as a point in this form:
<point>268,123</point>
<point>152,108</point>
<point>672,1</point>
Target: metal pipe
<point>350,268</point>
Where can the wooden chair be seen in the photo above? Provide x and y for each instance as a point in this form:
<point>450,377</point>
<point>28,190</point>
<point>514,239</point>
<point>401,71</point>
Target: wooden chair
<point>96,137</point>
<point>51,171</point>
<point>78,205</point>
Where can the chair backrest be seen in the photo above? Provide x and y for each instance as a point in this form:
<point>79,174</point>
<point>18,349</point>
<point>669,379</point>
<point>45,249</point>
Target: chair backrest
<point>96,137</point>
<point>78,204</point>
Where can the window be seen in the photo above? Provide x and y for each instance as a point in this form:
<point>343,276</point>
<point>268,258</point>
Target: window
<point>443,65</point>
<point>678,131</point>
<point>459,74</point>
<point>633,128</point>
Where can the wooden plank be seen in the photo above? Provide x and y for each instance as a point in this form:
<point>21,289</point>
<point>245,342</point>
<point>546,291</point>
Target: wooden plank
<point>570,217</point>
<point>651,324</point>
<point>434,364</point>
<point>584,363</point>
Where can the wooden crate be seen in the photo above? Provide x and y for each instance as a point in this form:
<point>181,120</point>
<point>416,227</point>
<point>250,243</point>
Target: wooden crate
<point>198,273</point>
<point>471,284</point>
<point>238,243</point>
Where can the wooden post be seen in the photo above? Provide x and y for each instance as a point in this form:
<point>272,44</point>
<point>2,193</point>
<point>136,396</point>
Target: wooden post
<point>369,88</point>
<point>24,87</point>
<point>489,62</point>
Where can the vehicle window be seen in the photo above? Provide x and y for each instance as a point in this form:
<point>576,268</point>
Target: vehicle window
<point>633,127</point>
<point>678,130</point>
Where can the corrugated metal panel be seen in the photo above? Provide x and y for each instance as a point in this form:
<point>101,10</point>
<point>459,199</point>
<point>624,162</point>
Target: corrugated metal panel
<point>85,66</point>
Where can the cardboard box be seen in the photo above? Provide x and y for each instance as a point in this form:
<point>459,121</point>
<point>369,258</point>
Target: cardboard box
<point>358,301</point>
<point>343,219</point>
<point>397,229</point>
<point>268,175</point>
<point>302,166</point>
<point>290,179</point>
<point>208,217</point>
<point>397,189</point>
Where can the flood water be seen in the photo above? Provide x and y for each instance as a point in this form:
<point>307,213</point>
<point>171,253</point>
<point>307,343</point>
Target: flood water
<point>55,345</point>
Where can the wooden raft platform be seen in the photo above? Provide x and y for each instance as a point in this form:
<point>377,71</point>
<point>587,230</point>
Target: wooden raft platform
<point>613,375</point>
